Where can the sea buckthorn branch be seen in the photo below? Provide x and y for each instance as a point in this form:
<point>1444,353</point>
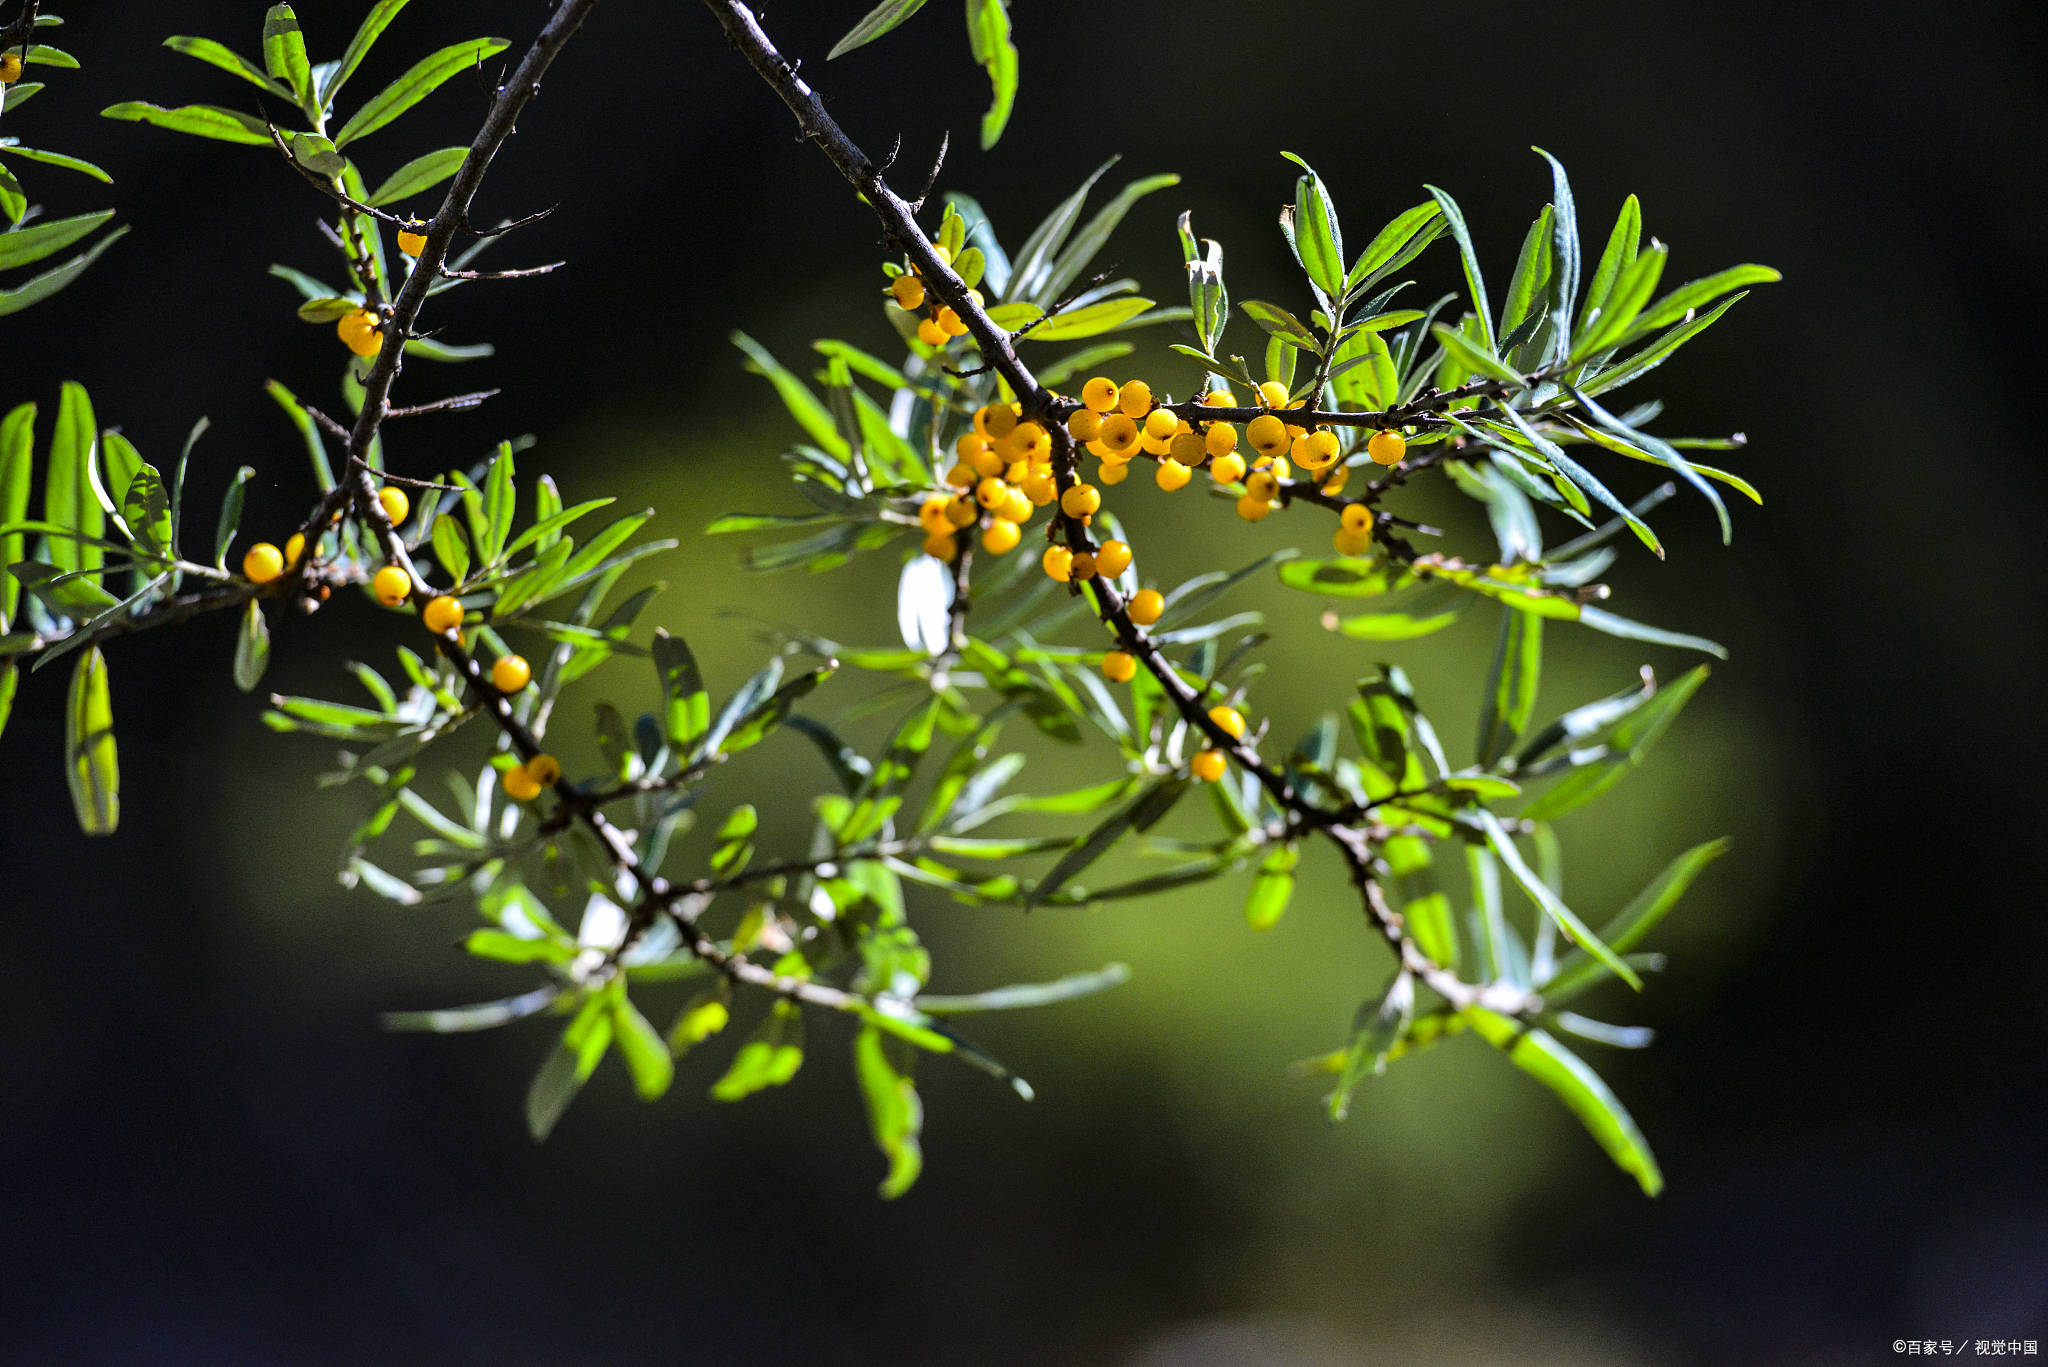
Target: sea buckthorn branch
<point>453,215</point>
<point>900,224</point>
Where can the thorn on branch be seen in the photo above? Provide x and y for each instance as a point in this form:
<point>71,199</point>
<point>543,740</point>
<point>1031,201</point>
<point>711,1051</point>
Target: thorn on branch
<point>945,142</point>
<point>454,403</point>
<point>504,228</point>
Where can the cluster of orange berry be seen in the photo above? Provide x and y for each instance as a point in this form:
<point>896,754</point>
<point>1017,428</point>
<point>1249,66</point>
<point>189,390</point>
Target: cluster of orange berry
<point>10,68</point>
<point>442,614</point>
<point>940,324</point>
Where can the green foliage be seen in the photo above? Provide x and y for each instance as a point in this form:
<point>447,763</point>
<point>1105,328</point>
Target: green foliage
<point>595,883</point>
<point>23,241</point>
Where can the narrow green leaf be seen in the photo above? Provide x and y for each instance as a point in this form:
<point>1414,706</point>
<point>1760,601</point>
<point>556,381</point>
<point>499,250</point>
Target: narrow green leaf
<point>874,24</point>
<point>374,23</point>
<point>769,1058</point>
<point>38,240</point>
<point>644,1050</point>
<point>1137,815</point>
<point>1375,1030</point>
<point>40,287</point>
<point>421,173</point>
<point>1631,740</point>
<point>17,463</point>
<point>1317,240</point>
<point>252,648</point>
<point>1105,316</point>
<point>234,63</point>
<point>1620,253</point>
<point>230,516</point>
<point>199,120</point>
<point>988,35</point>
<point>421,80</point>
<point>1636,920</point>
<point>895,1115</point>
<point>1454,219</point>
<point>59,159</point>
<point>1273,888</point>
<point>686,705</point>
<point>67,495</point>
<point>1073,259</point>
<point>284,55</point>
<point>90,759</point>
<point>309,432</point>
<point>1650,357</point>
<point>1471,357</point>
<point>1539,1055</point>
<point>1540,892</point>
<point>1511,694</point>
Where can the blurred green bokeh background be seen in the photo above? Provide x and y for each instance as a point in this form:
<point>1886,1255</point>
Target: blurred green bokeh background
<point>217,1157</point>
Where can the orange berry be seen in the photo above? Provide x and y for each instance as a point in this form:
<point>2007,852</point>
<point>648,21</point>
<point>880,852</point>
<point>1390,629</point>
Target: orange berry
<point>391,585</point>
<point>1356,517</point>
<point>1187,448</point>
<point>1220,398</point>
<point>1261,485</point>
<point>1229,720</point>
<point>1315,450</point>
<point>1016,506</point>
<point>1253,509</point>
<point>1039,488</point>
<point>995,421</point>
<point>968,444</point>
<point>1227,469</point>
<point>1058,563</point>
<point>1172,475</point>
<point>519,785</point>
<point>397,506</point>
<point>1334,484</point>
<point>511,673</point>
<point>263,563</point>
<point>1267,434</point>
<point>1081,500</point>
<point>988,462</point>
<point>941,546</point>
<point>1100,394</point>
<point>1134,400</point>
<point>1113,558</point>
<point>545,770</point>
<point>961,511</point>
<point>930,333</point>
<point>361,332</point>
<point>908,291</point>
<point>1352,542</point>
<point>1113,471</point>
<point>442,614</point>
<point>1146,605</point>
<point>10,67</point>
<point>1119,433</point>
<point>410,242</point>
<point>1029,440</point>
<point>1161,423</point>
<point>1220,439</point>
<point>990,493</point>
<point>1273,394</point>
<point>1085,424</point>
<point>950,324</point>
<point>1387,447</point>
<point>1209,765</point>
<point>1083,566</point>
<point>1001,537</point>
<point>1119,666</point>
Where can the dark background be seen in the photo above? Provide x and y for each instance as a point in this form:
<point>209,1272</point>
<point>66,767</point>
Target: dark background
<point>210,1154</point>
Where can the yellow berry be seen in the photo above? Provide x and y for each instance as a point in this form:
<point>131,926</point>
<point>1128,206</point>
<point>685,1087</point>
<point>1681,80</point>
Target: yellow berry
<point>1119,433</point>
<point>10,68</point>
<point>990,492</point>
<point>1356,517</point>
<point>908,291</point>
<point>962,476</point>
<point>1209,765</point>
<point>969,445</point>
<point>1085,424</point>
<point>1261,485</point>
<point>1081,500</point>
<point>1267,434</point>
<point>1113,558</point>
<point>520,786</point>
<point>1099,394</point>
<point>950,324</point>
<point>945,254</point>
<point>988,462</point>
<point>1059,563</point>
<point>961,511</point>
<point>941,546</point>
<point>1084,566</point>
<point>1154,446</point>
<point>1016,506</point>
<point>1352,542</point>
<point>1187,448</point>
<point>1113,471</point>
<point>361,332</point>
<point>1387,447</point>
<point>1039,488</point>
<point>1001,537</point>
<point>1315,450</point>
<point>930,333</point>
<point>1161,422</point>
<point>1134,400</point>
<point>1228,720</point>
<point>1015,471</point>
<point>1119,666</point>
<point>995,421</point>
<point>545,770</point>
<point>396,505</point>
<point>511,673</point>
<point>1029,440</point>
<point>1273,394</point>
<point>263,563</point>
<point>442,614</point>
<point>1253,509</point>
<point>410,242</point>
<point>1227,469</point>
<point>1220,440</point>
<point>391,585</point>
<point>1172,475</point>
<point>1146,606</point>
<point>1335,483</point>
<point>1220,398</point>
